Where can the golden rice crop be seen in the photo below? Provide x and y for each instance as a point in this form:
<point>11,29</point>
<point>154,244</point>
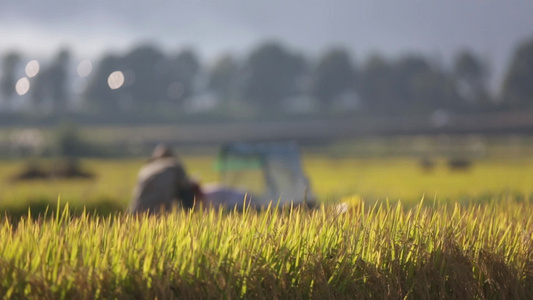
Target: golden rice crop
<point>384,251</point>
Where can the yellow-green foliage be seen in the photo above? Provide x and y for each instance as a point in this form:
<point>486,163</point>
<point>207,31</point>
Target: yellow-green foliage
<point>331,178</point>
<point>403,178</point>
<point>381,252</point>
<point>114,181</point>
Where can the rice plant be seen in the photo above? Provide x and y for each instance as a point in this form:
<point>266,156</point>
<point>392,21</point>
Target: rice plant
<point>383,251</point>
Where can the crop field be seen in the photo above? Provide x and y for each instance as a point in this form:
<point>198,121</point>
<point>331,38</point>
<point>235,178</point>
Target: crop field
<point>331,177</point>
<point>381,252</point>
<point>409,232</point>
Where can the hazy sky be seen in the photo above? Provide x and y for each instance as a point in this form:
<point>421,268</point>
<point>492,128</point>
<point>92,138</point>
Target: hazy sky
<point>434,27</point>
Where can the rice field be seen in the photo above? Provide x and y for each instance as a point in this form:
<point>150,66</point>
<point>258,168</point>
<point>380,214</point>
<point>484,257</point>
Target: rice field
<point>383,251</point>
<point>331,178</point>
<point>408,233</point>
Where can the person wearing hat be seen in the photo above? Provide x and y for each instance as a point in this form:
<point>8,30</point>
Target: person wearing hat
<point>162,183</point>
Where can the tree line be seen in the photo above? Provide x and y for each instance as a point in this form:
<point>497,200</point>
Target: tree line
<point>270,79</point>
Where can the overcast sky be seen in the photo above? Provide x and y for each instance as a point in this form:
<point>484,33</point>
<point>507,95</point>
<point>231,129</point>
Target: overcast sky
<point>434,27</point>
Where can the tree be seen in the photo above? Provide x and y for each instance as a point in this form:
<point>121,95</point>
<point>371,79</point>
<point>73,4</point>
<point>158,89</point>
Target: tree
<point>375,84</point>
<point>52,83</point>
<point>407,71</point>
<point>58,81</point>
<point>144,76</point>
<point>223,77</point>
<point>422,87</point>
<point>273,72</point>
<point>517,87</point>
<point>334,75</point>
<point>150,78</point>
<point>98,96</point>
<point>410,83</point>
<point>8,78</point>
<point>186,67</point>
<point>471,75</point>
<point>39,88</point>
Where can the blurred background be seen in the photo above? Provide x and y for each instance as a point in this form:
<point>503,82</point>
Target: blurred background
<point>391,87</point>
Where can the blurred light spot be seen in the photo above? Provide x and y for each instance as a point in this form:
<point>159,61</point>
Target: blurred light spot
<point>175,90</point>
<point>22,86</point>
<point>32,68</point>
<point>115,80</point>
<point>85,68</point>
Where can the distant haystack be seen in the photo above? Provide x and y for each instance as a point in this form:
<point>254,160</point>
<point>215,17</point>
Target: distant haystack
<point>459,164</point>
<point>67,169</point>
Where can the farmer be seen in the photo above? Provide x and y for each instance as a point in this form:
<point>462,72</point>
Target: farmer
<point>162,184</point>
